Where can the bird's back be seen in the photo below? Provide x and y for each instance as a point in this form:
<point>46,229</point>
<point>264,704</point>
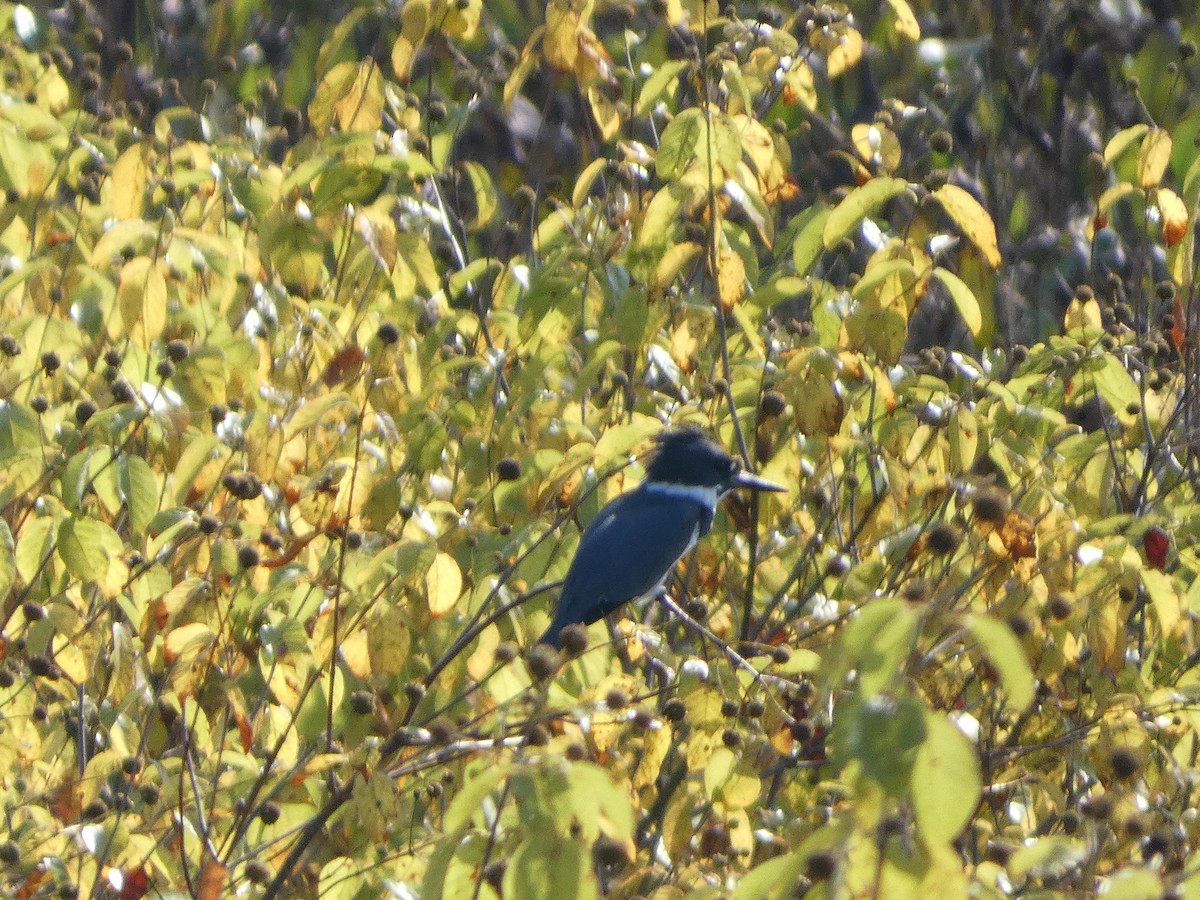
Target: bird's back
<point>626,553</point>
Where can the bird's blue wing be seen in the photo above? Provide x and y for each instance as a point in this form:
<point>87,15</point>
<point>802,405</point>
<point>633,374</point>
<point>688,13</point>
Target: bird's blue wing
<point>627,552</point>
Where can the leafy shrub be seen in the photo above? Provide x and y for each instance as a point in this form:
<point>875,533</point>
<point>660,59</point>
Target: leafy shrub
<point>318,347</point>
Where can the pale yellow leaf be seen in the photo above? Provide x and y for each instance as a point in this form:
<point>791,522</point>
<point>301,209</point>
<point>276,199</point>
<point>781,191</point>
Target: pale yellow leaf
<point>142,299</point>
<point>443,582</point>
<point>1154,156</point>
<point>129,178</point>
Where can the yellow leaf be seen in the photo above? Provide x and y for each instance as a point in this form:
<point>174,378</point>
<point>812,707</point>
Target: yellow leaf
<point>1082,315</point>
<point>906,22</point>
<point>1165,600</point>
<point>389,641</point>
<point>655,745</point>
<point>414,28</point>
<point>184,643</point>
<point>484,193</point>
<point>1174,215</point>
<point>605,112</point>
<point>361,108</point>
<point>560,44</point>
<point>877,145</point>
<point>970,216</point>
<point>1153,159</point>
<point>847,54</point>
<point>484,657</point>
<point>731,277</point>
<point>354,648</point>
<point>671,263</point>
<point>461,19</point>
<point>350,96</point>
<point>74,662</point>
<point>696,15</point>
<point>964,439</point>
<point>530,59</point>
<point>142,299</point>
<point>129,178</point>
<point>443,582</point>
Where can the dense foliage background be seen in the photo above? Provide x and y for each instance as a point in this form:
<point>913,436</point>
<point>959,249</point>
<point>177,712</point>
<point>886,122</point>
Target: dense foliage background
<point>326,326</point>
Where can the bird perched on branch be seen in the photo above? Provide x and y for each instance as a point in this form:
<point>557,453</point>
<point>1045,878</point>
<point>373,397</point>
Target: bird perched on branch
<point>632,546</point>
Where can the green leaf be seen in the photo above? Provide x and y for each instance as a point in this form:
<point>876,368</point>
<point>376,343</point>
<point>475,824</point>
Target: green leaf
<point>8,559</point>
<point>1168,605</point>
<point>877,642</point>
<point>139,490</point>
<point>34,543</point>
<point>311,411</point>
<point>858,205</point>
<point>773,880</point>
<point>342,878</point>
<point>545,865</point>
<point>877,272</point>
<point>598,804</point>
<point>1047,858</point>
<point>20,430</point>
<point>883,734</point>
<point>468,802</point>
<point>810,239</point>
<point>657,85</point>
<point>781,290</point>
<point>679,144</point>
<point>1120,142</point>
<point>87,546</point>
<point>484,194</point>
<point>616,443</point>
<point>196,454</point>
<point>946,781</point>
<point>1004,651</point>
<point>1118,389</point>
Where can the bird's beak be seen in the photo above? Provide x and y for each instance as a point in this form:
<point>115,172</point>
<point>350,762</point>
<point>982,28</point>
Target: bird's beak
<point>754,483</point>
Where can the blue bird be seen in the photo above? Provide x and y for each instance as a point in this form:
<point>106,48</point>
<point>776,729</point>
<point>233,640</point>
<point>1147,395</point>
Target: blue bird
<point>632,546</point>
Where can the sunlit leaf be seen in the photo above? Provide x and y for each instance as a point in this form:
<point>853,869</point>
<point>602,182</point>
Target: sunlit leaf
<point>443,582</point>
<point>142,299</point>
<point>130,178</point>
<point>1123,140</point>
<point>971,218</point>
<point>1004,651</point>
<point>946,781</point>
<point>1154,156</point>
<point>906,21</point>
<point>859,204</point>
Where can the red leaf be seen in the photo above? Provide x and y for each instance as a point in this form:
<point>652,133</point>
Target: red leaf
<point>1156,544</point>
<point>136,884</point>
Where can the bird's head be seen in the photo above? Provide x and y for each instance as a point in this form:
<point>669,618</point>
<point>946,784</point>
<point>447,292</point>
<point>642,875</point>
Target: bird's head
<point>687,457</point>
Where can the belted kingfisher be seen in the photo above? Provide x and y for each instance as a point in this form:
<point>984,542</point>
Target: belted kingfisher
<point>636,540</point>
